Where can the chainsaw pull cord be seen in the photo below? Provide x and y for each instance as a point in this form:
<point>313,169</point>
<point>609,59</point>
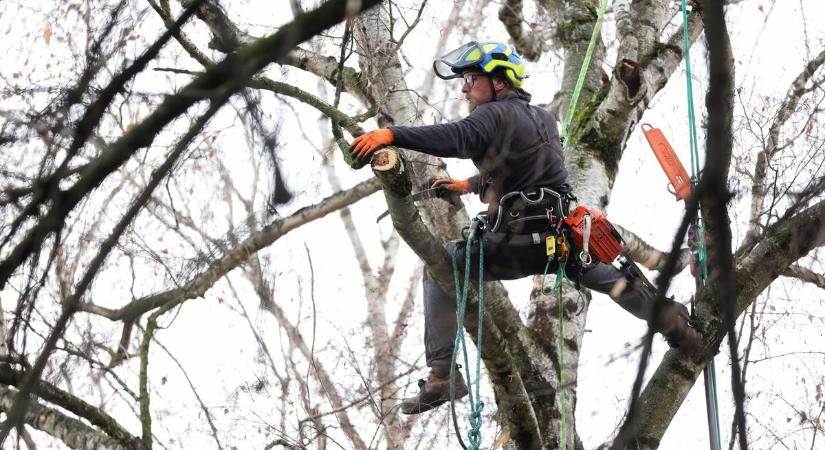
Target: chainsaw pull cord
<point>461,295</point>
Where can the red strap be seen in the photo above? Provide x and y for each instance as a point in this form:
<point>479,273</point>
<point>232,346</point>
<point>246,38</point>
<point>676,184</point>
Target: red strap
<point>675,171</point>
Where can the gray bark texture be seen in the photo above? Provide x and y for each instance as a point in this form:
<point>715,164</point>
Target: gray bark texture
<point>72,432</point>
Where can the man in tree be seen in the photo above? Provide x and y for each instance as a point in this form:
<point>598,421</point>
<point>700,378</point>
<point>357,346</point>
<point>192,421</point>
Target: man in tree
<point>522,178</point>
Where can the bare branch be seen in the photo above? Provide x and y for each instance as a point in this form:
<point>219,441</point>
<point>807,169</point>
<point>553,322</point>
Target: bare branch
<point>200,283</point>
<point>184,41</point>
<point>226,78</point>
<point>648,256</point>
<point>764,158</point>
<point>719,103</point>
<point>71,305</point>
<point>328,386</point>
<point>806,275</point>
<point>227,37</point>
<point>528,43</point>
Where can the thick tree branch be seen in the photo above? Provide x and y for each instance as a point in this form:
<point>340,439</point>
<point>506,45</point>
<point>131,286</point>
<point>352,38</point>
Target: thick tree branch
<point>72,432</point>
<point>607,122</point>
<point>326,67</point>
<point>75,405</point>
<point>226,36</point>
<point>777,249</point>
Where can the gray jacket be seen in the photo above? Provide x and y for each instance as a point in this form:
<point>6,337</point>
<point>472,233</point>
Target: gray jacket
<point>514,145</point>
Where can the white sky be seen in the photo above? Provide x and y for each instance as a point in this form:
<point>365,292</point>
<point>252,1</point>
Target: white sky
<point>215,346</point>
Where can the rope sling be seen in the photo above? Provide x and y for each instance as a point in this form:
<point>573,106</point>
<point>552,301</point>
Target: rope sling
<point>462,292</point>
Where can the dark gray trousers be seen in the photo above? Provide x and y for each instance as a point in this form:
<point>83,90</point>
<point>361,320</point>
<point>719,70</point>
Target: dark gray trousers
<point>509,257</point>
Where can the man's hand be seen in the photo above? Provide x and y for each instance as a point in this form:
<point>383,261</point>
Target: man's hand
<point>367,143</point>
<point>460,186</point>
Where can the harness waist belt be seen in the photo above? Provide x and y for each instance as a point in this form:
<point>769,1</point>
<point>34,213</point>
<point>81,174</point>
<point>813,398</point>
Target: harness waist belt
<point>530,210</point>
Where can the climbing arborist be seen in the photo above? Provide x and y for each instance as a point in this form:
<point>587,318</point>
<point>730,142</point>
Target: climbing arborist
<point>523,180</point>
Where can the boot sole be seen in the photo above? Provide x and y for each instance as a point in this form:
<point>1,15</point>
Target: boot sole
<point>418,408</point>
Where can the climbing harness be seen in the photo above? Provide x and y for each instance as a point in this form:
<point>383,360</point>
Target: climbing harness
<point>461,294</point>
<point>528,211</point>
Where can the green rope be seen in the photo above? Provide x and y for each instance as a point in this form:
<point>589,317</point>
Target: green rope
<point>559,283</point>
<point>694,146</point>
<point>697,228</point>
<point>461,295</point>
<point>561,277</point>
<point>571,108</point>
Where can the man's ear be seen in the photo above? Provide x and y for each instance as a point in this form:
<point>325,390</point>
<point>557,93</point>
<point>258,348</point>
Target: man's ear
<point>499,84</point>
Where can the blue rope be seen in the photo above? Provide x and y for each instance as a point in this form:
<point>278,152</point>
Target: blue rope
<point>461,295</point>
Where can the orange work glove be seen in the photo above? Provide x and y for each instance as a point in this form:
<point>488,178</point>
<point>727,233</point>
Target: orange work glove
<point>364,145</point>
<point>460,186</point>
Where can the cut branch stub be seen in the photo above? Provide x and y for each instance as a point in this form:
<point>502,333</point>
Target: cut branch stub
<point>389,167</point>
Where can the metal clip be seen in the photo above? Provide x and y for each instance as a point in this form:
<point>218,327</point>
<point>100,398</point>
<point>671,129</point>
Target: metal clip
<point>584,256</point>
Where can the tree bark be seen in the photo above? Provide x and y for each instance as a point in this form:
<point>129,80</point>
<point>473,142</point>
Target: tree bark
<point>72,432</point>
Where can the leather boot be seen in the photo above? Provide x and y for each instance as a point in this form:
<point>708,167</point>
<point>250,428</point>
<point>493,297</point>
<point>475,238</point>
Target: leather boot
<point>434,391</point>
<point>675,325</point>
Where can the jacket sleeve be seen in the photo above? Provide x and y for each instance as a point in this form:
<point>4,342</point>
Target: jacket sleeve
<point>468,138</point>
<point>475,183</point>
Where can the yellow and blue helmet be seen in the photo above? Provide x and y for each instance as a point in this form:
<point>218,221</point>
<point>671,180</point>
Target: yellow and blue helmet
<point>487,56</point>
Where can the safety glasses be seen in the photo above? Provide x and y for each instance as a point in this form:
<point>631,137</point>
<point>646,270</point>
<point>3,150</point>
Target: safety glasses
<point>470,79</point>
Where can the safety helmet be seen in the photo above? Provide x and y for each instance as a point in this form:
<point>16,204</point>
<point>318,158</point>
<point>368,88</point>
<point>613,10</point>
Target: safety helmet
<point>487,56</point>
